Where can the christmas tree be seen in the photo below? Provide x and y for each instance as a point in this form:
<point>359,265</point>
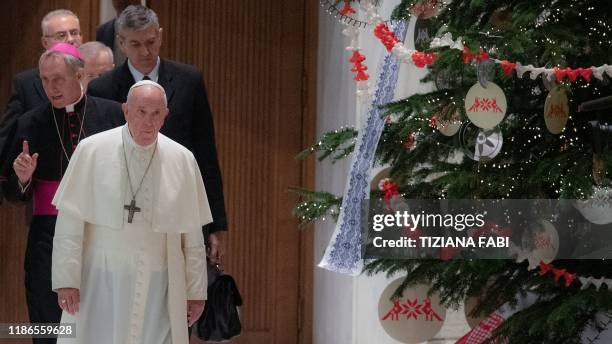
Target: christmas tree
<point>550,60</point>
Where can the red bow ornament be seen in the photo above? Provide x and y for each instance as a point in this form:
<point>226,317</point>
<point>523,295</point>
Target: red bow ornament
<point>560,74</point>
<point>357,58</point>
<point>433,121</point>
<point>347,9</point>
<point>545,268</point>
<point>389,189</point>
<point>585,73</point>
<point>572,74</point>
<point>361,75</point>
<point>558,273</point>
<point>469,56</point>
<point>421,59</point>
<point>507,67</point>
<point>410,142</point>
<point>386,36</point>
<point>569,278</point>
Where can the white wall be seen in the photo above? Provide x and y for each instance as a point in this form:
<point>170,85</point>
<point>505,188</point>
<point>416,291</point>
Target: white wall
<point>336,106</point>
<point>346,308</point>
<point>107,12</point>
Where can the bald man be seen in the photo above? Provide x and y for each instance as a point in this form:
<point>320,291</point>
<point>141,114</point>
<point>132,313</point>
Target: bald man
<point>98,60</point>
<point>129,257</point>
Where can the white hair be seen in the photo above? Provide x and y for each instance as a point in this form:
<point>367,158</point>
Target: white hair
<point>147,83</point>
<point>93,48</point>
<point>61,12</point>
<point>73,63</point>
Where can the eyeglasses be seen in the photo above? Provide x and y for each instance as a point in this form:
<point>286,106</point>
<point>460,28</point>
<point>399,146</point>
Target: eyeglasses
<point>63,35</point>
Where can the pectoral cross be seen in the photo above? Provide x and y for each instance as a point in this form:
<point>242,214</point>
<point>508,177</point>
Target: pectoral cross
<point>131,208</point>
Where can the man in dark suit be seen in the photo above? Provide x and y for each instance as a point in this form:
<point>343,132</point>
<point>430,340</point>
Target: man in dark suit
<point>58,26</point>
<point>106,32</point>
<point>189,122</point>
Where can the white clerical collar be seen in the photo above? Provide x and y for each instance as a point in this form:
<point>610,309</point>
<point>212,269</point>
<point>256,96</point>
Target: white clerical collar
<point>129,140</point>
<point>70,107</point>
<point>138,75</point>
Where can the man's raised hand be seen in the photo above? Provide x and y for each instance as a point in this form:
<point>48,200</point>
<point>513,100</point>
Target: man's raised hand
<point>25,164</point>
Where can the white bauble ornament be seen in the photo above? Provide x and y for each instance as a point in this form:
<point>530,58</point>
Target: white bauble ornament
<point>449,127</point>
<point>541,242</point>
<point>413,318</point>
<point>486,107</point>
<point>598,208</point>
<point>468,306</point>
<point>556,110</point>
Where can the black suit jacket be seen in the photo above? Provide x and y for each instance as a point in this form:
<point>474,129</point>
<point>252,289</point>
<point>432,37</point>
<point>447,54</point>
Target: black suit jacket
<point>27,93</point>
<point>38,128</point>
<point>189,122</point>
<point>105,33</point>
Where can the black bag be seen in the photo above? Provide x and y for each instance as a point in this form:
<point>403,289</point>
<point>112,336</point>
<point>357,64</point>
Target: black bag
<point>220,320</point>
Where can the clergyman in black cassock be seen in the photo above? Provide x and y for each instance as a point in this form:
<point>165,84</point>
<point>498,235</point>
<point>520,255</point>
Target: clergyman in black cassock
<point>26,88</point>
<point>38,128</point>
<point>52,134</point>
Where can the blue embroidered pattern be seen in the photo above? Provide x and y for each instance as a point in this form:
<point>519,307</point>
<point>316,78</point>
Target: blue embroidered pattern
<point>343,254</point>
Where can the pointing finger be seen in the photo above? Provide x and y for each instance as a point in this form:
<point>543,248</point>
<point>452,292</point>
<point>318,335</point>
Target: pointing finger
<point>26,147</point>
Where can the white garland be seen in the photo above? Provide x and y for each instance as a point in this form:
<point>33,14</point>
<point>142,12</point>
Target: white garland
<point>447,41</point>
<point>522,255</point>
<point>371,12</point>
<point>364,93</point>
<point>402,53</point>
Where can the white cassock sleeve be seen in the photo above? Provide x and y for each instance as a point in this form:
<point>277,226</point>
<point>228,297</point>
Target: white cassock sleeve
<point>67,255</point>
<point>195,265</point>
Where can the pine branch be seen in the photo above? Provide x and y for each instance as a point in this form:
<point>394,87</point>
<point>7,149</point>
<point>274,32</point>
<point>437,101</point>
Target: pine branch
<point>341,142</point>
<point>315,205</point>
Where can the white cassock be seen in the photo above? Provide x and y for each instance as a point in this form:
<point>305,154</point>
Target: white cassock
<point>134,278</point>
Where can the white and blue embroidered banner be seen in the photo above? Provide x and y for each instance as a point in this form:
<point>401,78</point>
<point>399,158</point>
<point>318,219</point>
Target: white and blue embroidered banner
<point>343,254</point>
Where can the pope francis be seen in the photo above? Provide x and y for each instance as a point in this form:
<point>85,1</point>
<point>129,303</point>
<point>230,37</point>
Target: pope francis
<point>128,252</point>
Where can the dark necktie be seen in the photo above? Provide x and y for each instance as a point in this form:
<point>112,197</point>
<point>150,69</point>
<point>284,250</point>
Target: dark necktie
<point>146,77</point>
